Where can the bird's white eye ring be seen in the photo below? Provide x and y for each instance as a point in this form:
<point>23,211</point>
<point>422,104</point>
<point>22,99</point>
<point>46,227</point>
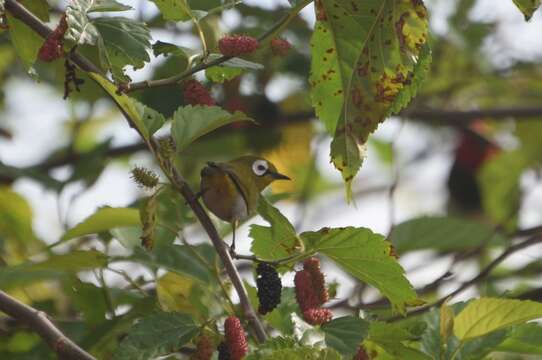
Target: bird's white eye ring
<point>260,167</point>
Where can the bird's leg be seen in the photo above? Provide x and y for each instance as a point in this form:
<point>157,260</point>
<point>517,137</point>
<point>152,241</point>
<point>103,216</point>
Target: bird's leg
<point>198,195</point>
<point>232,247</point>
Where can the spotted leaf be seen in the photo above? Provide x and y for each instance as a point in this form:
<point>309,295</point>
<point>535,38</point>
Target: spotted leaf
<point>364,54</point>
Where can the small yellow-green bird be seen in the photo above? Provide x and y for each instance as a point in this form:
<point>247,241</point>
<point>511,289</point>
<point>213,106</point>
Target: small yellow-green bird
<point>230,190</point>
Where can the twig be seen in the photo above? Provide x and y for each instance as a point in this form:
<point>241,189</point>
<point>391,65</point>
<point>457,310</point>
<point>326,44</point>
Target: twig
<point>176,179</point>
<point>174,80</point>
<point>38,321</point>
<point>481,275</point>
<point>128,279</point>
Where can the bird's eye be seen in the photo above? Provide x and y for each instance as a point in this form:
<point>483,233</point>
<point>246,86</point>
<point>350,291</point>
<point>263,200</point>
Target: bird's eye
<point>260,167</point>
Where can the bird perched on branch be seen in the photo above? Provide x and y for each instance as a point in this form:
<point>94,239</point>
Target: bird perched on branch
<point>230,190</point>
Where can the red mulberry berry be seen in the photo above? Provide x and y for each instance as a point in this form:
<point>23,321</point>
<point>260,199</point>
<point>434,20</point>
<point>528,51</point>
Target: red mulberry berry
<point>223,352</point>
<point>361,354</point>
<point>280,47</point>
<point>269,287</point>
<point>317,316</point>
<point>304,291</point>
<point>204,349</point>
<point>196,94</point>
<point>52,48</point>
<point>235,338</point>
<point>312,265</point>
<point>237,45</point>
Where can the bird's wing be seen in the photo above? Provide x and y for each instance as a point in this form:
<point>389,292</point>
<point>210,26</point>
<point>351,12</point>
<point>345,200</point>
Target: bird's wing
<point>234,179</point>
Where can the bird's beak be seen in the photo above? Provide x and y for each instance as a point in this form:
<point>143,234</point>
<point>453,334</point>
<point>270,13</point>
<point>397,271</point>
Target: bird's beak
<point>278,176</point>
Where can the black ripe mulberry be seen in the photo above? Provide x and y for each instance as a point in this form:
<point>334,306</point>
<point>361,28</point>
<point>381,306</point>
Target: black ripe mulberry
<point>269,287</point>
<point>223,352</point>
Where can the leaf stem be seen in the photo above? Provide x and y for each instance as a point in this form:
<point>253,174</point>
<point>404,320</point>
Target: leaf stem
<point>201,35</point>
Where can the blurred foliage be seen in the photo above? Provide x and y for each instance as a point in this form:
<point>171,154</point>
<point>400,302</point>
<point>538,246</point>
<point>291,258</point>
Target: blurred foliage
<point>137,282</point>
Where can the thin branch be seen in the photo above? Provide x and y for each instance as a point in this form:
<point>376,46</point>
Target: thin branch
<point>177,181</point>
<point>174,80</point>
<point>481,276</point>
<point>38,321</point>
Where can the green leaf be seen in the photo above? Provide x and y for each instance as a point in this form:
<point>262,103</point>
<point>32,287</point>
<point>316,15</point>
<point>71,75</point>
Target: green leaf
<point>345,334</point>
<point>151,118</point>
<point>294,353</point>
<point>499,179</point>
<point>15,218</point>
<point>485,315</point>
<point>236,62</point>
<point>164,48</point>
<point>527,132</point>
<point>80,29</point>
<point>26,41</point>
<point>219,74</point>
<point>51,268</point>
<point>276,241</point>
<point>191,122</point>
<point>527,7</point>
<point>156,335</point>
<point>366,256</point>
<point>281,318</point>
<point>441,233</point>
<point>525,339</point>
<point>107,5</point>
<point>175,10</point>
<point>363,55</point>
<point>104,219</point>
<point>73,261</point>
<point>144,119</point>
<point>417,76</point>
<point>123,42</point>
<point>229,69</point>
<point>179,259</point>
<point>393,340</point>
<point>128,236</point>
<point>89,300</point>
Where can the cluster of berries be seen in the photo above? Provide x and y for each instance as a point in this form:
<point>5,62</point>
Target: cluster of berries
<point>195,93</point>
<point>269,287</point>
<point>311,292</point>
<point>234,346</point>
<point>52,48</point>
<point>204,349</point>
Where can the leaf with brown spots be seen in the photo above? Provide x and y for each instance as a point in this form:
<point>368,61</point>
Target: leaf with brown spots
<point>364,54</point>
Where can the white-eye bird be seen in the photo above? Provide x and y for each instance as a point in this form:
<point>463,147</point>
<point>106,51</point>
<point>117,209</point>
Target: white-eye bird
<point>230,190</point>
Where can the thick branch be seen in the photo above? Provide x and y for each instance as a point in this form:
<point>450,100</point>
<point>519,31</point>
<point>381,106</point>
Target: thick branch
<point>21,13</point>
<point>224,254</point>
<point>451,118</point>
<point>177,180</point>
<point>38,321</point>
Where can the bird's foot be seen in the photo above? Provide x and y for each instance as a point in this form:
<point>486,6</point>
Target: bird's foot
<point>233,254</point>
